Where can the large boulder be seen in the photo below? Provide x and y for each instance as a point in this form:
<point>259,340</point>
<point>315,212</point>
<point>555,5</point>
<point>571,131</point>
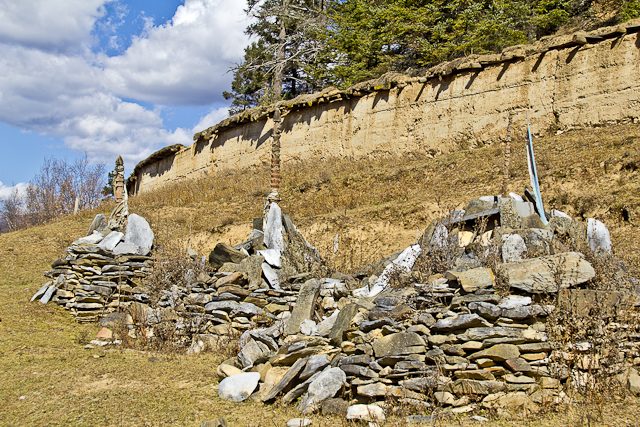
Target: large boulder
<point>548,274</point>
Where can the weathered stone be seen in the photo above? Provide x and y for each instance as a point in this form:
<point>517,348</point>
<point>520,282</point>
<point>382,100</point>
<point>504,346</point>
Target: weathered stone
<point>358,371</point>
<point>342,323</point>
<point>509,217</point>
<point>485,309</point>
<point>365,413</point>
<point>473,279</point>
<point>220,422</point>
<point>221,305</point>
<point>304,307</point>
<point>251,352</point>
<point>111,240</point>
<point>124,248</point>
<point>314,364</point>
<point>252,266</point>
<point>518,365</point>
<point>138,232</point>
<point>475,374</point>
<point>462,321</point>
<point>325,386</point>
<point>246,309</point>
<point>325,327</point>
<point>399,344</point>
<point>421,385</point>
<point>223,253</point>
<point>528,312</point>
<point>514,301</point>
<point>513,247</point>
<point>335,406</point>
<point>444,397</point>
<point>499,352</point>
<point>548,274</point>
<point>291,374</point>
<point>239,387</point>
<point>46,297</point>
<point>223,370</point>
<point>41,291</point>
<point>372,390</point>
<point>91,239</point>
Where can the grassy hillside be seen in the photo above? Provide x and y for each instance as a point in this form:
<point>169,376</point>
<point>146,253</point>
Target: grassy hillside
<point>375,205</point>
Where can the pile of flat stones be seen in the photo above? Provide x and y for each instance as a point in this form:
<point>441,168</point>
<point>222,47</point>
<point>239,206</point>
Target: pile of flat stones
<point>102,272</point>
<point>351,345</point>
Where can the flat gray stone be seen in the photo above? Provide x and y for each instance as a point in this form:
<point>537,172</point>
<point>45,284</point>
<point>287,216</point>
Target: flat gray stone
<point>224,253</point>
<point>48,294</point>
<point>514,301</point>
<point>291,374</point>
<point>325,386</point>
<point>342,323</point>
<point>473,279</point>
<point>251,352</point>
<point>397,344</point>
<point>138,232</point>
<point>221,305</point>
<point>41,291</point>
<point>305,305</point>
<point>462,321</point>
<point>238,387</point>
<point>246,309</point>
<point>91,239</point>
<point>548,274</point>
<point>111,240</point>
<point>130,249</point>
<point>486,309</point>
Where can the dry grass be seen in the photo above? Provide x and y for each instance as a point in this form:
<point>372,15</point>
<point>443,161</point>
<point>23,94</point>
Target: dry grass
<point>373,205</point>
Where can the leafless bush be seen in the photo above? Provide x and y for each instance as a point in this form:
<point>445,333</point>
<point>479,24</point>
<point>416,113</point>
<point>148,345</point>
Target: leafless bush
<point>12,210</point>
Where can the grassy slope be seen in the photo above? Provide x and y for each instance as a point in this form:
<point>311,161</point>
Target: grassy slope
<point>374,205</point>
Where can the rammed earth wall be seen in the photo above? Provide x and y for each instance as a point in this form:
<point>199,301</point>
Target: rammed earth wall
<point>561,82</point>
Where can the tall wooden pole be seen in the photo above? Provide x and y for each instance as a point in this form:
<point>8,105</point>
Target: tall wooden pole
<point>274,196</point>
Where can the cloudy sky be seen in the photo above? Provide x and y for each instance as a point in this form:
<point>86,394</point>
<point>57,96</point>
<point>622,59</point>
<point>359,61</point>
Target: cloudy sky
<point>110,77</point>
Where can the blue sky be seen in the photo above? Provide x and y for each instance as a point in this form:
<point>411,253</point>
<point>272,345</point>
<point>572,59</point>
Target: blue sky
<point>110,77</point>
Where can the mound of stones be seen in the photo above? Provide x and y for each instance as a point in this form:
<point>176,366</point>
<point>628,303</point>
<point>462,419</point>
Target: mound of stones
<point>458,320</point>
<point>354,344</point>
<point>102,272</point>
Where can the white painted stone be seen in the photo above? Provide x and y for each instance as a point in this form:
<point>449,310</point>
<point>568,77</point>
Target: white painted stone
<point>440,236</point>
<point>404,262</point>
<point>516,197</point>
<point>598,235</point>
<point>365,413</point>
<point>238,387</point>
<point>271,256</point>
<point>271,276</point>
<point>273,237</point>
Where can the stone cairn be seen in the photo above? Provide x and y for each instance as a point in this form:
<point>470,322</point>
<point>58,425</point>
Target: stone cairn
<point>386,333</point>
<point>102,272</point>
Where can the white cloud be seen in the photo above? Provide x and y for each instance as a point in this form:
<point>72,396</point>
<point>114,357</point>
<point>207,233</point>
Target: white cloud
<point>185,61</point>
<point>6,191</point>
<point>52,25</point>
<point>51,83</point>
